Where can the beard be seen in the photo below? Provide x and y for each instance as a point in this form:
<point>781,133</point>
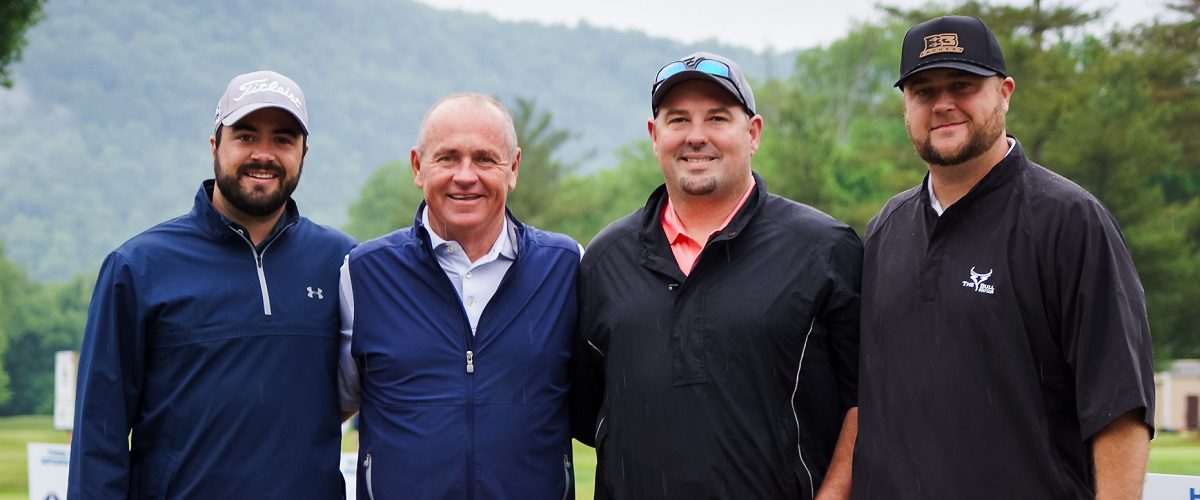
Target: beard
<point>699,186</point>
<point>981,138</point>
<point>255,201</point>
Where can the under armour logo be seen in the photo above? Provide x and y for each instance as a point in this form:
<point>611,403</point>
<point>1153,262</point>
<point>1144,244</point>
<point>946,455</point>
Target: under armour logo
<point>977,282</point>
<point>315,293</point>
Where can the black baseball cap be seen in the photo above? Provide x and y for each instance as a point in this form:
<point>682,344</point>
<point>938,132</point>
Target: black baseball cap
<point>706,66</point>
<point>957,42</point>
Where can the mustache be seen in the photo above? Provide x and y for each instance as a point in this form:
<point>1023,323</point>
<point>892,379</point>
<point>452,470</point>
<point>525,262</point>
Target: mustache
<point>704,149</point>
<point>272,167</point>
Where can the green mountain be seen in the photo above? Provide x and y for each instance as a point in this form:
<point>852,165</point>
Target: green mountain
<point>106,128</point>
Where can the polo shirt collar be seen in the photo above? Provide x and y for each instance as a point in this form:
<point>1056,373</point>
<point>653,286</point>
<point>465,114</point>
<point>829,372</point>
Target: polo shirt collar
<point>505,246</point>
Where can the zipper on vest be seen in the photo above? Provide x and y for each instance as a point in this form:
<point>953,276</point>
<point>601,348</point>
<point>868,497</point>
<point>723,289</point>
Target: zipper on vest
<point>566,475</point>
<point>470,361</point>
<point>367,473</point>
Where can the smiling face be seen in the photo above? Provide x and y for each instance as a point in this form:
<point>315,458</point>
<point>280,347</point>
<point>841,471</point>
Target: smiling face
<point>953,117</point>
<point>704,140</point>
<point>465,164</point>
<point>257,165</point>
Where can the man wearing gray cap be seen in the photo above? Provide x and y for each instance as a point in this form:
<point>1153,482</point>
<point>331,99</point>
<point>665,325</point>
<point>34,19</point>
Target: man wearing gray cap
<point>208,367</point>
<point>718,346</point>
<point>1005,345</point>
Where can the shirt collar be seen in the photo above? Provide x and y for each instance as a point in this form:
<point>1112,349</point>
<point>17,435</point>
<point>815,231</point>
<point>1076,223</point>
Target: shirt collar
<point>504,247</point>
<point>673,227</point>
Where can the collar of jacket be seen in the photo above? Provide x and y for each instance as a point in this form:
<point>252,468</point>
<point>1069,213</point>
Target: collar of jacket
<point>999,176</point>
<point>212,222</point>
<point>656,248</point>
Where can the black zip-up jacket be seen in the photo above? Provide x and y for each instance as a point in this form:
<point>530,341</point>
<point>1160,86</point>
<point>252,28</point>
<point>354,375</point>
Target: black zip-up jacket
<point>731,382</point>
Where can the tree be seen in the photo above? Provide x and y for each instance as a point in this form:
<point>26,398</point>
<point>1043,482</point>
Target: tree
<point>388,201</point>
<point>588,203</point>
<point>16,17</point>
<point>51,319</point>
<point>12,283</point>
<point>542,168</point>
<point>831,137</point>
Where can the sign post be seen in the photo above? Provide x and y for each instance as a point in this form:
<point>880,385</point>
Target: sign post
<point>65,365</point>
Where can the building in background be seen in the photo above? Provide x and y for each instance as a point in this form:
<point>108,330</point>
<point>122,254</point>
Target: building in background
<point>1178,396</point>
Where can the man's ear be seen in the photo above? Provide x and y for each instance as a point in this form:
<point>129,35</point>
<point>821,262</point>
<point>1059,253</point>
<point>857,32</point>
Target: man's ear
<point>414,159</point>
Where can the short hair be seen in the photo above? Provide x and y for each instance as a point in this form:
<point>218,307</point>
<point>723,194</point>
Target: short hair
<point>510,132</point>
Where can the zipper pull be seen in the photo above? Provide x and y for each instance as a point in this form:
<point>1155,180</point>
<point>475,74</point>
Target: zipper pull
<point>470,362</point>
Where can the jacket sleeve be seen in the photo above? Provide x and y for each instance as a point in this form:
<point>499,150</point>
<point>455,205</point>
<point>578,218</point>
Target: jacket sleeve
<point>109,386</point>
<point>840,318</point>
<point>1105,332</point>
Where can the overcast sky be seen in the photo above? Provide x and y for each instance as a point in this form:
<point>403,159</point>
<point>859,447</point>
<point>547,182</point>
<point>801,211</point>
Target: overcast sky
<point>757,24</point>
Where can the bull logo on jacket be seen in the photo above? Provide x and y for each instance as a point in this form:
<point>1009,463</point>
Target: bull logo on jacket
<point>977,282</point>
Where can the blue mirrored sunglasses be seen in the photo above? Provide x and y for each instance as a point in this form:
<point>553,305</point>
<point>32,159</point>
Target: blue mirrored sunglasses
<point>715,68</point>
<point>710,66</point>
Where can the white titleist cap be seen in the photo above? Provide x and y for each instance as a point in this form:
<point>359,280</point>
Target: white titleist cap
<point>251,92</point>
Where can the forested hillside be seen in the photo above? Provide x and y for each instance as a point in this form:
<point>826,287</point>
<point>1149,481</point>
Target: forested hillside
<point>106,128</point>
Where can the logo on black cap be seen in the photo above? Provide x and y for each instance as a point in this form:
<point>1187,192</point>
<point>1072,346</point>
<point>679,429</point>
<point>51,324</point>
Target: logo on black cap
<point>941,42</point>
<point>955,42</point>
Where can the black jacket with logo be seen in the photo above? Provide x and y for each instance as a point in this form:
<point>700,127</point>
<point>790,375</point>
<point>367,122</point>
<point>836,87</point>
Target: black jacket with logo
<point>731,382</point>
<point>997,340</point>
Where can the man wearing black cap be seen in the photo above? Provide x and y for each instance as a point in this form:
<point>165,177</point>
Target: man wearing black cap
<point>1006,350</point>
<point>209,360</point>
<point>719,324</point>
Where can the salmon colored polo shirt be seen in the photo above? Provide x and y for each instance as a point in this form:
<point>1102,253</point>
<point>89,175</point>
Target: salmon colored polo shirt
<point>686,248</point>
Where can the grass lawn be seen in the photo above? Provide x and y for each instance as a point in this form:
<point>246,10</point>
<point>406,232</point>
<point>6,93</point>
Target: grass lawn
<point>15,432</point>
<point>1169,454</point>
<point>1172,453</point>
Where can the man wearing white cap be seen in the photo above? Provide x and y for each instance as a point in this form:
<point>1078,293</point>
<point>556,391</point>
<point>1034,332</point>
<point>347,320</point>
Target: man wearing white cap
<point>209,358</point>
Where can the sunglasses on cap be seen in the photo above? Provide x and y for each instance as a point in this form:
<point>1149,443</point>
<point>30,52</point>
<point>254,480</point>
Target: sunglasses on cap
<point>708,66</point>
<point>712,67</point>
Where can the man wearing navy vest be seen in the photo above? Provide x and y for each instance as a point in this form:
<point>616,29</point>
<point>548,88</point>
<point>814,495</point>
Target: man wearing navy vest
<point>457,330</point>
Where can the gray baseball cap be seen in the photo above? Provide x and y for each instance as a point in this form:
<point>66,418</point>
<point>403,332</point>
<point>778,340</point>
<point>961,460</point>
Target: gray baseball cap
<point>702,65</point>
<point>705,66</point>
<point>251,92</point>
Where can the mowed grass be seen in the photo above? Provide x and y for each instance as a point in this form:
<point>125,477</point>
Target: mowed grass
<point>15,433</point>
<point>1173,453</point>
<point>1170,453</point>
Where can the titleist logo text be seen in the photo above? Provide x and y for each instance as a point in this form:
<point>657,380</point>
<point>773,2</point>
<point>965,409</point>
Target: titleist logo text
<point>256,86</point>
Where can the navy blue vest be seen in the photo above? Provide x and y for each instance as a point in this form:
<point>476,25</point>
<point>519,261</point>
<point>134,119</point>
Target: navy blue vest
<point>435,424</point>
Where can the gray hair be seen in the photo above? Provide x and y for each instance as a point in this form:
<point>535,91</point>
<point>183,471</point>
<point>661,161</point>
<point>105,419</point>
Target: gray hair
<point>511,131</point>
